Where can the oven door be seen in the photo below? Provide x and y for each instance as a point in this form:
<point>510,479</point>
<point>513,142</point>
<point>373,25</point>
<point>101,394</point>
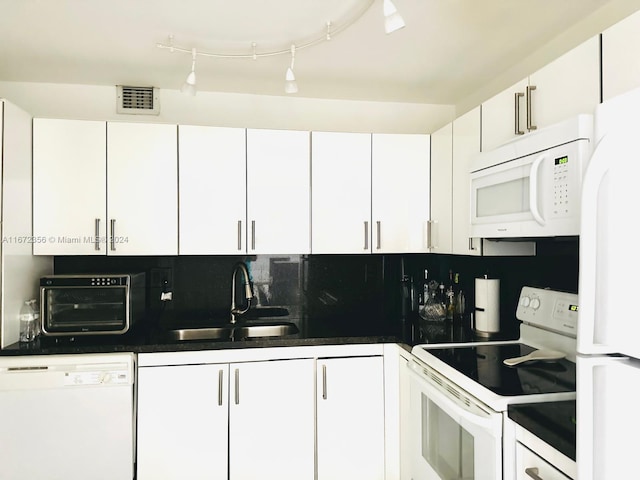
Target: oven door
<point>82,310</point>
<point>453,437</point>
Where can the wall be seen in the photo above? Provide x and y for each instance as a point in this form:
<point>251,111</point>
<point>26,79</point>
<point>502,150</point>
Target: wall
<point>20,270</point>
<point>89,102</point>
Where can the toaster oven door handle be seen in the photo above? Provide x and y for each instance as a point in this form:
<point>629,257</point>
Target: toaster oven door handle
<point>533,189</point>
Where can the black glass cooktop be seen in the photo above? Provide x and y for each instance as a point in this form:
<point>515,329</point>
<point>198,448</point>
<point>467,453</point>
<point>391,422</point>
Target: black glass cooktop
<point>483,363</point>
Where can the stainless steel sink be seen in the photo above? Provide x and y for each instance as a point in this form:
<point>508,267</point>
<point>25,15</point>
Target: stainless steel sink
<point>258,330</point>
<point>240,331</point>
<point>201,333</point>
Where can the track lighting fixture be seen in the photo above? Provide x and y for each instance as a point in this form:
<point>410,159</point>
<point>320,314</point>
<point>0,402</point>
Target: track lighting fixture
<point>189,86</point>
<point>290,85</point>
<point>392,21</point>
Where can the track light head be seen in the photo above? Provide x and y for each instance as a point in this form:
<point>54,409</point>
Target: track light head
<point>189,86</point>
<point>290,85</point>
<point>392,19</point>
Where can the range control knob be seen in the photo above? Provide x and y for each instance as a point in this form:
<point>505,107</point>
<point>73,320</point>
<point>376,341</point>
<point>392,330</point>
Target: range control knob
<point>525,301</point>
<point>535,303</point>
<point>105,378</point>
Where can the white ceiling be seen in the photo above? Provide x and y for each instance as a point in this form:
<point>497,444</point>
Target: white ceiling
<point>447,49</point>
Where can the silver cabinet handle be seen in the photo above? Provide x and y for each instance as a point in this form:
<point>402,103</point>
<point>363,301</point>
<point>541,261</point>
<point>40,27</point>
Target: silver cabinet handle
<point>97,228</point>
<point>530,125</point>
<point>237,386</point>
<point>113,234</point>
<point>324,382</point>
<point>220,380</point>
<point>533,473</point>
<point>253,234</point>
<point>517,111</point>
<point>378,232</point>
<point>366,235</point>
<point>239,234</point>
<point>432,232</point>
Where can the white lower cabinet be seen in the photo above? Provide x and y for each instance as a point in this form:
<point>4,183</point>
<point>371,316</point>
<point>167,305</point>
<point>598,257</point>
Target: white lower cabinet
<point>190,425</point>
<point>350,419</point>
<point>183,415</point>
<point>277,419</point>
<point>271,424</point>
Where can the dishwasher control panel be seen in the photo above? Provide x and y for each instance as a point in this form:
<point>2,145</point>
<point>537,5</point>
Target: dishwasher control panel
<point>99,377</point>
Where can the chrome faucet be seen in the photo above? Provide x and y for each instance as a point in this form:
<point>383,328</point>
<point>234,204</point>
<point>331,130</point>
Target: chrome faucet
<point>248,293</point>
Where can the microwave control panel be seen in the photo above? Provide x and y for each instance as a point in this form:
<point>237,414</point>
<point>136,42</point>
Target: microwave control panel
<point>561,186</point>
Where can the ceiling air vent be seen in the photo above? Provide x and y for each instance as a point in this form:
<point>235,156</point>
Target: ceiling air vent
<point>138,100</point>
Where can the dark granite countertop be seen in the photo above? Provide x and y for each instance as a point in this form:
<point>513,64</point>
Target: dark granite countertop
<point>109,345</point>
<point>552,422</point>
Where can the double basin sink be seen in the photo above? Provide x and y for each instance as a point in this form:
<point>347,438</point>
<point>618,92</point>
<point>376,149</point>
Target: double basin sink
<point>260,322</point>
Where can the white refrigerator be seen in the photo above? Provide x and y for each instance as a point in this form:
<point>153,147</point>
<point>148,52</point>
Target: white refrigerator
<point>608,360</point>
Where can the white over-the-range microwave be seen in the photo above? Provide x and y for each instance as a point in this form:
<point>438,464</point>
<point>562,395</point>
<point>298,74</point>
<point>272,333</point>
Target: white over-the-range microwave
<point>532,186</point>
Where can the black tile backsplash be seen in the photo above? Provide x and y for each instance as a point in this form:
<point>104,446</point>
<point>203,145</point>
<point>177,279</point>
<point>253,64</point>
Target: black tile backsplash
<point>334,295</point>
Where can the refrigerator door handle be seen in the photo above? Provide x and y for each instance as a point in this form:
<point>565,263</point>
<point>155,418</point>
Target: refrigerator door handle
<point>588,272</point>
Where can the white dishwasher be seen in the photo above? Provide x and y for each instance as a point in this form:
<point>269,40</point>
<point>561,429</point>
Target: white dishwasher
<point>67,417</point>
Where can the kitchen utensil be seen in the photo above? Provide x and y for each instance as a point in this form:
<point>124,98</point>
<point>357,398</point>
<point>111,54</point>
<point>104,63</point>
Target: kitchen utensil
<point>535,355</point>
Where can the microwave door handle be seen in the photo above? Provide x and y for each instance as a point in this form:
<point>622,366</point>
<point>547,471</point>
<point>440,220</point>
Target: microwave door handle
<point>533,189</point>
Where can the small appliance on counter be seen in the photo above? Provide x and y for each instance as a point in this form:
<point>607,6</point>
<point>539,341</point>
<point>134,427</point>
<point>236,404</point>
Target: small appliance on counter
<point>98,304</point>
<point>486,321</point>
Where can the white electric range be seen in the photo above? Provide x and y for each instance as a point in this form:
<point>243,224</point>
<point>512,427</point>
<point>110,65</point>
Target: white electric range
<point>460,391</point>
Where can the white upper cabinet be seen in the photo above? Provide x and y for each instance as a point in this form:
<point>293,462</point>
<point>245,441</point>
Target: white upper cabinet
<point>503,115</point>
<point>278,192</point>
<point>620,61</point>
<point>341,192</point>
<point>213,190</point>
<point>441,189</point>
<point>400,193</point>
<point>142,189</point>
<point>570,85</point>
<point>466,145</point>
<point>69,187</point>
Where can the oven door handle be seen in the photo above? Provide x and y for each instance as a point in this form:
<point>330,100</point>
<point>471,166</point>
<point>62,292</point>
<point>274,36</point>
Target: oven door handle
<point>468,413</point>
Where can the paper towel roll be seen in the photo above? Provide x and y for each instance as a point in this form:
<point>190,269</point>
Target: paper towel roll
<point>487,308</point>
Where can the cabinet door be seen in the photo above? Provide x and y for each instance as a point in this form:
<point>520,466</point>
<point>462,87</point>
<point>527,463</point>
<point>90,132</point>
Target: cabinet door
<point>278,192</point>
<point>568,86</point>
<point>350,419</point>
<point>466,145</point>
<point>400,193</point>
<point>142,189</point>
<point>441,193</point>
<point>341,192</point>
<point>212,189</point>
<point>620,69</point>
<point>69,187</point>
<point>271,420</point>
<point>499,119</point>
<point>182,422</point>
